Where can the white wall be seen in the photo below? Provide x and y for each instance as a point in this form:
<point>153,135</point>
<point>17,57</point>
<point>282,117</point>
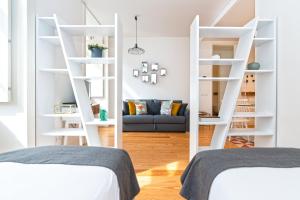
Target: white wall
<point>71,11</point>
<point>170,53</point>
<point>288,60</point>
<point>17,118</point>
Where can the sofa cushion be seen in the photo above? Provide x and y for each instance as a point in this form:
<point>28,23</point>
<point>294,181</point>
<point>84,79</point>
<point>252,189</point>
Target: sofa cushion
<point>182,109</point>
<point>153,107</point>
<point>175,108</point>
<point>167,119</point>
<point>125,108</point>
<point>131,106</point>
<point>141,108</point>
<point>138,119</point>
<point>166,108</point>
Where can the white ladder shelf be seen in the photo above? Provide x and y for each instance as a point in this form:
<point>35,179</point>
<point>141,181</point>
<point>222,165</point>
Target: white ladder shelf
<point>50,30</point>
<point>265,115</point>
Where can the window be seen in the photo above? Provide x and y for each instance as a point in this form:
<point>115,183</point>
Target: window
<point>5,50</point>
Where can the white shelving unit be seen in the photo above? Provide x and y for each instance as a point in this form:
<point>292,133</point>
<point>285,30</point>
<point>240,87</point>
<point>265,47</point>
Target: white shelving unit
<point>259,34</point>
<point>59,70</point>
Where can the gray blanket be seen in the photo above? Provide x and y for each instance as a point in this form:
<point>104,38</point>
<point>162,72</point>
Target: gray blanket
<point>115,159</point>
<point>205,166</point>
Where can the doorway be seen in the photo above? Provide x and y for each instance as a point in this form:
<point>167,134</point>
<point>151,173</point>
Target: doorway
<point>218,87</point>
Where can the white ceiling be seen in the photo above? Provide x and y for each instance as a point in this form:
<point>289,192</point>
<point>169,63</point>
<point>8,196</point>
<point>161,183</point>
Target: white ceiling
<point>240,13</point>
<point>171,18</point>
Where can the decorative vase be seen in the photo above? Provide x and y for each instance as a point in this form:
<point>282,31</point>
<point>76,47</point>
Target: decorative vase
<point>96,52</point>
<point>253,66</point>
<point>103,115</point>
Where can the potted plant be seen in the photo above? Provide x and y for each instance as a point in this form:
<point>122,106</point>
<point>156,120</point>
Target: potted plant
<point>97,50</point>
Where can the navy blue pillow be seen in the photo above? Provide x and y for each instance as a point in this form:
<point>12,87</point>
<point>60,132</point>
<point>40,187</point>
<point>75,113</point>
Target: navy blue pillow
<point>182,109</point>
<point>125,108</point>
<point>153,107</point>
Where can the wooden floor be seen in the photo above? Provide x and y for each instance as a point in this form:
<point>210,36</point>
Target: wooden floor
<point>159,160</point>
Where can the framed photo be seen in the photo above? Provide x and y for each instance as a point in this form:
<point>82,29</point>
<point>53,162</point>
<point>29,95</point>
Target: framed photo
<point>135,73</point>
<point>163,71</point>
<point>153,79</point>
<point>145,78</point>
<point>145,67</point>
<point>154,67</point>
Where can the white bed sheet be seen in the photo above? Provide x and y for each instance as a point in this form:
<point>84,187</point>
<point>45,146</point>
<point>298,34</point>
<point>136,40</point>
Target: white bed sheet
<point>55,181</point>
<point>257,184</point>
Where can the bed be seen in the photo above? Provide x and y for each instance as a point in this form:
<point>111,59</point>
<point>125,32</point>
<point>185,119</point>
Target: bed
<point>67,173</point>
<point>247,174</point>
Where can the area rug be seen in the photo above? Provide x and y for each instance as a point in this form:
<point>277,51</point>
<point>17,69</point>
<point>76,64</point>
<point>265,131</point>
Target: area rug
<point>242,142</point>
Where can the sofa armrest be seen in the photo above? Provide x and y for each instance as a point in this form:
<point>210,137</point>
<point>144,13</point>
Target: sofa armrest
<point>187,119</point>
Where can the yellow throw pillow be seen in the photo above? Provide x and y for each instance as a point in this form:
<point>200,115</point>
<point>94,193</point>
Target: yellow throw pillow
<point>175,108</point>
<point>131,106</point>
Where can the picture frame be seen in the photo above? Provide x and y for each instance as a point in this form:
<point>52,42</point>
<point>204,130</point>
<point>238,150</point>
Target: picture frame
<point>154,66</point>
<point>145,67</point>
<point>145,78</point>
<point>163,72</point>
<point>135,73</point>
<point>153,79</point>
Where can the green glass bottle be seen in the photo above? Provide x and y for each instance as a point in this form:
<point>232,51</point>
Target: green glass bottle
<point>103,115</point>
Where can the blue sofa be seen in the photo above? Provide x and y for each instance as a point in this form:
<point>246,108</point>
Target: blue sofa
<point>154,121</point>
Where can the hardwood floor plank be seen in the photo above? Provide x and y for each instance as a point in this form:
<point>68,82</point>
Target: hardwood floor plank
<point>159,159</point>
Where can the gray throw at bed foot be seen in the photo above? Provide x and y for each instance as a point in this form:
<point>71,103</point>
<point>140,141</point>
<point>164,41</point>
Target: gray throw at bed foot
<point>205,166</point>
<point>115,159</point>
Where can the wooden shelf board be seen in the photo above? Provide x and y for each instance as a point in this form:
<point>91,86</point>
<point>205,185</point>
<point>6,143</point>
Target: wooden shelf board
<point>95,30</point>
<point>260,71</point>
<point>87,60</point>
<point>51,39</point>
<point>260,41</point>
<point>211,121</point>
<point>250,132</point>
<point>97,122</point>
<point>218,78</point>
<point>54,70</point>
<point>65,132</point>
<point>252,114</point>
<point>54,115</point>
<point>88,78</point>
<point>212,61</point>
<point>223,32</point>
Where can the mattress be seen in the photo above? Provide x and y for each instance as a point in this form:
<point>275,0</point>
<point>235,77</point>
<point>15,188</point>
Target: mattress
<point>57,181</point>
<point>257,183</point>
<point>87,173</point>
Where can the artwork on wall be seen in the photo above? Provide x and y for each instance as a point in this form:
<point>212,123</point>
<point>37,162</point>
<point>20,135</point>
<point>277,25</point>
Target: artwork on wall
<point>155,70</point>
<point>153,79</point>
<point>154,67</point>
<point>145,67</point>
<point>163,72</point>
<point>136,73</point>
<point>145,78</point>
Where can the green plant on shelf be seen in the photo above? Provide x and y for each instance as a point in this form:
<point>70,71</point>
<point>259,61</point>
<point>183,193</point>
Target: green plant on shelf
<point>96,46</point>
<point>96,50</point>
